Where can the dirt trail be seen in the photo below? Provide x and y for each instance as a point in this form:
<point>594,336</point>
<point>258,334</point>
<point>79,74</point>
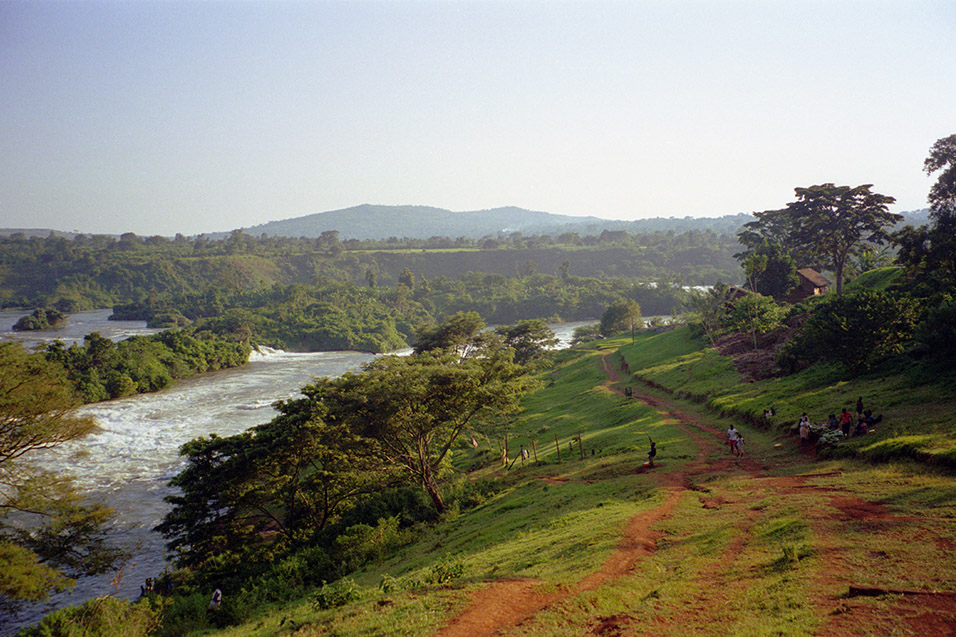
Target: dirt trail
<point>508,603</point>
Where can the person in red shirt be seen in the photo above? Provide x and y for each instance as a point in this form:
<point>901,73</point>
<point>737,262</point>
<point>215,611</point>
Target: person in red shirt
<point>846,421</point>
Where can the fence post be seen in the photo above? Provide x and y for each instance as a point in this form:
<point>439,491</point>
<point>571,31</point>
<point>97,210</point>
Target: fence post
<point>557,446</point>
<point>534,448</point>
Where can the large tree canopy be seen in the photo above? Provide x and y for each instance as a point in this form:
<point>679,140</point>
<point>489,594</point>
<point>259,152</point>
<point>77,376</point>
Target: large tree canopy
<point>931,250</point>
<point>770,269</point>
<point>416,407</point>
<point>46,530</point>
<point>621,316</point>
<point>279,482</point>
<point>529,339</point>
<point>828,223</point>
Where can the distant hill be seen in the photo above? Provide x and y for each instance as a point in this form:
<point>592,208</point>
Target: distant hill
<point>418,222</point>
<point>422,222</point>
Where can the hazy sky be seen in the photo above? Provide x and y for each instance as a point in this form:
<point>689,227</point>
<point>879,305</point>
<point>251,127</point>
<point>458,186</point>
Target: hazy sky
<point>165,117</point>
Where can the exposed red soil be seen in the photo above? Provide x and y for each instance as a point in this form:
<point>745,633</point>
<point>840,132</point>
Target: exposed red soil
<point>755,363</point>
<point>508,603</point>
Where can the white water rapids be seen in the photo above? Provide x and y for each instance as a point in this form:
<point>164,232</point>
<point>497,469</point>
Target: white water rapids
<point>130,460</point>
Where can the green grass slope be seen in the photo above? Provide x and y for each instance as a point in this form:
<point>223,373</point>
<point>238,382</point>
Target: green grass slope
<point>919,409</point>
<point>711,544</point>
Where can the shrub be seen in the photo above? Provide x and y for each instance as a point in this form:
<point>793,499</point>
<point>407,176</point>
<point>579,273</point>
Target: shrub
<point>362,543</point>
<point>444,571</point>
<point>860,329</point>
<point>338,593</point>
<point>937,332</point>
<point>104,616</point>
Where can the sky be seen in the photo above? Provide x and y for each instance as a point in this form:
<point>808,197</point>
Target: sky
<point>168,117</point>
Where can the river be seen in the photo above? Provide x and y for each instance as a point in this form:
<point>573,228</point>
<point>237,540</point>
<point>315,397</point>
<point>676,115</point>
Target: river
<point>130,460</point>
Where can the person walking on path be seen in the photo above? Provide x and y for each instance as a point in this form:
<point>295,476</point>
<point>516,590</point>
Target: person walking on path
<point>732,437</point>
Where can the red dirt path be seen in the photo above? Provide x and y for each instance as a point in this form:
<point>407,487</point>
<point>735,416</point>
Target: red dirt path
<point>508,603</point>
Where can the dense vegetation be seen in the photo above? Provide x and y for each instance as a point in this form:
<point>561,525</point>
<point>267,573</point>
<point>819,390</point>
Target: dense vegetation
<point>48,534</point>
<point>324,294</point>
<point>398,479</point>
<point>41,319</point>
<point>100,369</point>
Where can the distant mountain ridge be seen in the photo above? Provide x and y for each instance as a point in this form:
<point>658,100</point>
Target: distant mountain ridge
<point>369,221</point>
<point>379,222</point>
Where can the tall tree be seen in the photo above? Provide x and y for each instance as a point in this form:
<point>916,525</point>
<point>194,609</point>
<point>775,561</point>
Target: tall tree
<point>621,316</point>
<point>770,270</point>
<point>46,531</point>
<point>831,223</point>
<point>529,339</point>
<point>458,334</point>
<point>292,476</point>
<point>416,407</point>
<point>931,250</point>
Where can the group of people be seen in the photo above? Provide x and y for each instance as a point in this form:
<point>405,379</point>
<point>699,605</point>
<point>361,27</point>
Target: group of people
<point>844,423</point>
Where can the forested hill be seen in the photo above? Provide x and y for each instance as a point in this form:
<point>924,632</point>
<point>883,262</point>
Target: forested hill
<point>416,222</point>
<point>421,222</point>
<point>373,222</point>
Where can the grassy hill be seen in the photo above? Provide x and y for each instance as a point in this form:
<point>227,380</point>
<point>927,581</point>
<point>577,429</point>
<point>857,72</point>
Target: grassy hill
<point>583,538</point>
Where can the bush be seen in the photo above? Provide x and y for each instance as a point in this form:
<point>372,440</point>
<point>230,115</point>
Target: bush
<point>468,494</point>
<point>937,332</point>
<point>860,329</point>
<point>104,616</point>
<point>444,571</point>
<point>585,333</point>
<point>336,594</point>
<point>362,543</point>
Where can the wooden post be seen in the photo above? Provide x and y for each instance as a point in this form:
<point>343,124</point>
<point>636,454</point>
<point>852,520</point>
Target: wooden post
<point>581,446</point>
<point>557,446</point>
<point>504,451</point>
<point>534,449</point>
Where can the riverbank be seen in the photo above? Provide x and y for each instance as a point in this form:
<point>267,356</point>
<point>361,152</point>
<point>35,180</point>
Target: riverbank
<point>130,460</point>
<point>775,541</point>
<point>583,537</point>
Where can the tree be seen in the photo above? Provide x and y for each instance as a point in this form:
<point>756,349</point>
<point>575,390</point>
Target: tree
<point>942,157</point>
<point>770,269</point>
<point>529,339</point>
<point>46,531</point>
<point>416,407</point>
<point>931,250</point>
<point>754,314</point>
<point>621,316</point>
<point>458,334</point>
<point>829,222</point>
<point>291,476</point>
<point>710,310</point>
<point>858,330</point>
<point>407,279</point>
